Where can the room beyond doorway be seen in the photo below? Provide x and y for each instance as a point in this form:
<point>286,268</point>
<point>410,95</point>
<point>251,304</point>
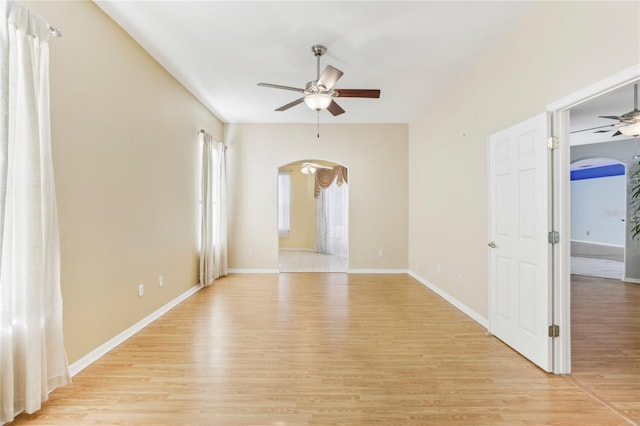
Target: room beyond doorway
<point>598,211</point>
<point>313,215</point>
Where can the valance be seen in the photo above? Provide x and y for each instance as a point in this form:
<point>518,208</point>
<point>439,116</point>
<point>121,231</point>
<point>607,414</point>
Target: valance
<point>325,177</point>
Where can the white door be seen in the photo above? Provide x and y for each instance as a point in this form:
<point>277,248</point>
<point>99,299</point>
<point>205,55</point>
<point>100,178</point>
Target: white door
<point>520,254</point>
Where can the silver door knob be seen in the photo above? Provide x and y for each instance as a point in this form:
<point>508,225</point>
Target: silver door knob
<point>492,244</point>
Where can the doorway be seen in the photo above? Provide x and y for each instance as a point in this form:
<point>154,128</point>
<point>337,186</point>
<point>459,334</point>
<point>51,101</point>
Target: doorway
<point>313,201</point>
<point>564,116</point>
<point>604,326</point>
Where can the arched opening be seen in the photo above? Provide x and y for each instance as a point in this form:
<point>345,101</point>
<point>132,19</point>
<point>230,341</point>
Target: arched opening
<point>313,216</point>
<point>598,213</point>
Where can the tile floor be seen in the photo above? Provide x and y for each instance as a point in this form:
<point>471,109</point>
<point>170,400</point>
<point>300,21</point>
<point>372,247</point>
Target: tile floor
<point>309,261</point>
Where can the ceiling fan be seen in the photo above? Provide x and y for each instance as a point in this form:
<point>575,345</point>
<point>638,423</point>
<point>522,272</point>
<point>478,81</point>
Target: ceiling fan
<point>630,120</point>
<point>319,94</point>
<point>628,123</point>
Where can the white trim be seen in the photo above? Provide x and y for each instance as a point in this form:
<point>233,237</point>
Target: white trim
<point>253,271</point>
<point>377,271</point>
<point>601,87</point>
<point>311,270</point>
<point>452,300</point>
<point>350,271</point>
<point>295,249</point>
<point>597,244</point>
<point>562,250</point>
<point>631,280</point>
<point>102,350</point>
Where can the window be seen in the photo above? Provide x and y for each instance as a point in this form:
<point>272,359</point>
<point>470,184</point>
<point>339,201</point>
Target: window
<point>284,204</point>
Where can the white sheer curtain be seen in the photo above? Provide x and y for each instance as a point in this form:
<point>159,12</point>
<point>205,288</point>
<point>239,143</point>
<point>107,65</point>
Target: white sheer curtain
<point>32,356</point>
<point>332,211</point>
<point>284,204</point>
<point>213,226</point>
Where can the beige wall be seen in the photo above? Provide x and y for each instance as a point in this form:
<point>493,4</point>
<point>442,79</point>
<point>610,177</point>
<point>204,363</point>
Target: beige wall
<point>124,140</point>
<point>557,49</point>
<point>303,211</point>
<point>124,146</point>
<point>376,156</point>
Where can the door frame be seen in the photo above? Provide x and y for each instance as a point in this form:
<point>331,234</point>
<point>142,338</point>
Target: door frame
<point>561,207</point>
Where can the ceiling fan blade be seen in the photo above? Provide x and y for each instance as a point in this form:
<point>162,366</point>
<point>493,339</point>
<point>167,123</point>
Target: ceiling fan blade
<point>290,104</point>
<point>329,77</point>
<point>595,128</point>
<point>335,109</point>
<point>277,86</point>
<point>358,93</point>
<point>611,117</point>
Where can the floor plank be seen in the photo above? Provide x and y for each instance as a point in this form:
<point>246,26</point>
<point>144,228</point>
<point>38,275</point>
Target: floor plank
<point>318,349</point>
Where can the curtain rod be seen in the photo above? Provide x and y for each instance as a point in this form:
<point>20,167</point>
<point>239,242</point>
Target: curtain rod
<point>55,31</point>
<point>202,131</point>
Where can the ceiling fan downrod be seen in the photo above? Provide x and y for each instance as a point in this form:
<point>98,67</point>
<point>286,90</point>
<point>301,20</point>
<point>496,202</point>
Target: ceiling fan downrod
<point>318,50</point>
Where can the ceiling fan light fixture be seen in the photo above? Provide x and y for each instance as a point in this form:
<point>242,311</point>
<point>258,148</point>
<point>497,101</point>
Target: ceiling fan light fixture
<point>631,129</point>
<point>308,170</point>
<point>318,101</point>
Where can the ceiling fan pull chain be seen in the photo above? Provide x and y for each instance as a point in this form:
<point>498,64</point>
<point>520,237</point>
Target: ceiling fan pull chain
<point>318,124</point>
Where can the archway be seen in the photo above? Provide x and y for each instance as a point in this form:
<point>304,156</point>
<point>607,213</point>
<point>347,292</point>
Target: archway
<point>312,222</point>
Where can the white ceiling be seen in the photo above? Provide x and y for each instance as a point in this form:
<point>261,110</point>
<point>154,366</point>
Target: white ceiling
<point>220,50</point>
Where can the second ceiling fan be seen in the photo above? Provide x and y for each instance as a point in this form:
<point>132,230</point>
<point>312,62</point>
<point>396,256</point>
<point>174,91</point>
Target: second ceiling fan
<point>628,124</point>
<point>319,94</point>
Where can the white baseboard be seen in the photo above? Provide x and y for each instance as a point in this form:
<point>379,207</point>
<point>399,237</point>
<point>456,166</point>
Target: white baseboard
<point>101,350</point>
<point>295,249</point>
<point>377,271</point>
<point>350,271</point>
<point>597,244</point>
<point>631,280</point>
<point>455,302</point>
<point>253,271</point>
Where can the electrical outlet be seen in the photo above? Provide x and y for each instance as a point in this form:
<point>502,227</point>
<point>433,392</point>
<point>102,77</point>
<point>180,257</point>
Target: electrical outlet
<point>438,267</point>
<point>140,290</point>
<point>250,253</point>
<point>160,280</point>
<point>380,253</point>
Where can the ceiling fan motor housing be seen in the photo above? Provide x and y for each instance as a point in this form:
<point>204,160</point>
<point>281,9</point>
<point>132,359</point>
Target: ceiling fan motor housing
<point>313,87</point>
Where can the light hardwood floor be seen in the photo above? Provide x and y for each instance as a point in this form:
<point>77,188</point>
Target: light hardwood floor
<point>605,326</point>
<point>321,349</point>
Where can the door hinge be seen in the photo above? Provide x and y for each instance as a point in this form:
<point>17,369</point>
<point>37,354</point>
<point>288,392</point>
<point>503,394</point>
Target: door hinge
<point>552,142</point>
<point>554,237</point>
<point>554,330</point>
